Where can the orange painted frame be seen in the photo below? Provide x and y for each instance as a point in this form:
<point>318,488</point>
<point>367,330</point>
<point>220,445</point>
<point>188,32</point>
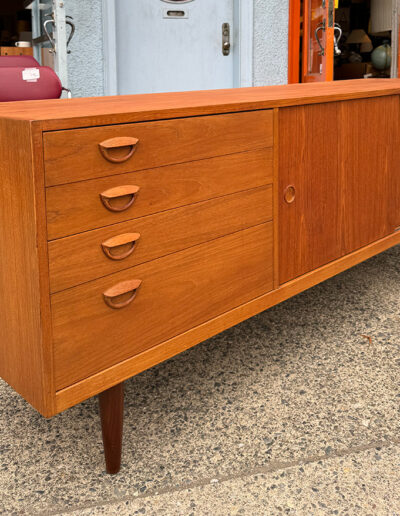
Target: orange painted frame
<point>326,73</point>
<point>294,45</point>
<point>294,41</point>
<point>398,40</point>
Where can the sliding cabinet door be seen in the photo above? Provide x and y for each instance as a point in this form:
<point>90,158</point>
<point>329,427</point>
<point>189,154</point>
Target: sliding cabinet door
<point>369,160</point>
<point>309,204</point>
<point>339,180</point>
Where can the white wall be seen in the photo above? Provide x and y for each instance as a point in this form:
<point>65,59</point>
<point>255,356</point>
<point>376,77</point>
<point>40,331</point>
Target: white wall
<point>85,63</point>
<point>270,61</point>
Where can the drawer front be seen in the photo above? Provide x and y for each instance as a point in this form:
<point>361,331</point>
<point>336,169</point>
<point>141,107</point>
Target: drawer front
<point>79,154</point>
<point>79,206</point>
<point>87,256</point>
<point>177,292</point>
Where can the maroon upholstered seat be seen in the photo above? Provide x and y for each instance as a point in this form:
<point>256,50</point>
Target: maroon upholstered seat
<point>22,78</point>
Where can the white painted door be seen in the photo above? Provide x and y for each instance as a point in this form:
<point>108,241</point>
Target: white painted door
<point>172,45</point>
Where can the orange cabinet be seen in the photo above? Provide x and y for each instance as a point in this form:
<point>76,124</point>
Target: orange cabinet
<point>16,51</point>
<point>133,228</point>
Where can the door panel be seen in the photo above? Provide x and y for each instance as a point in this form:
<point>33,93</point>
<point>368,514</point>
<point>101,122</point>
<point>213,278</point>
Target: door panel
<point>369,169</point>
<point>166,46</point>
<point>339,186</point>
<point>308,158</point>
<point>318,40</point>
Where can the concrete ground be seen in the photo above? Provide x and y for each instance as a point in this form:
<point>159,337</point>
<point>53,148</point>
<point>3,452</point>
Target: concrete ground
<point>295,411</point>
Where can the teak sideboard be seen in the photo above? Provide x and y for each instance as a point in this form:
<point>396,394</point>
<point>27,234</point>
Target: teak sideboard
<point>132,228</point>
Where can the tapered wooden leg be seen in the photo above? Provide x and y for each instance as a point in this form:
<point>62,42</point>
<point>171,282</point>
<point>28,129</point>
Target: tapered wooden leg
<point>111,403</point>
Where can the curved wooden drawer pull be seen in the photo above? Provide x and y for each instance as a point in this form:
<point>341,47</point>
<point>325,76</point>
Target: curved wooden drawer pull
<point>290,194</point>
<point>127,242</point>
<point>116,296</point>
<point>111,196</point>
<point>118,150</point>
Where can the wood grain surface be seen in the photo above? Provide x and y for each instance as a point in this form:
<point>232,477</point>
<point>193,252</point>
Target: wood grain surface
<point>342,163</point>
<point>94,384</point>
<point>75,155</point>
<point>86,112</point>
<point>309,227</point>
<point>211,279</point>
<point>369,160</point>
<point>111,406</point>
<point>77,207</point>
<point>337,149</point>
<point>23,361</point>
<point>80,258</point>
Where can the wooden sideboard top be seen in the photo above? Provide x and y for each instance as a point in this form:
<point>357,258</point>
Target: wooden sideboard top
<point>82,112</point>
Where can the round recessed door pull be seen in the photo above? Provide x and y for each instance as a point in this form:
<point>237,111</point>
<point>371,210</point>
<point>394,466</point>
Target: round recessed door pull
<point>122,294</point>
<point>112,198</point>
<point>121,246</point>
<point>290,194</point>
<point>119,149</point>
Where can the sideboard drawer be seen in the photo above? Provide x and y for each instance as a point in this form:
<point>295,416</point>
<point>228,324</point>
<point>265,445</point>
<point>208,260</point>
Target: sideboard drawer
<point>80,258</point>
<point>79,154</point>
<point>78,207</point>
<point>177,292</point>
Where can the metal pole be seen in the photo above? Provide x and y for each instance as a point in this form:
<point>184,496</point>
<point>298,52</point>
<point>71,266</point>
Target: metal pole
<point>394,72</point>
<point>60,37</point>
<point>36,30</point>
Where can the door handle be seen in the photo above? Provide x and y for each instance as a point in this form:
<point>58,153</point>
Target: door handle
<point>119,143</point>
<point>226,39</point>
<point>338,29</point>
<point>115,297</point>
<point>128,193</point>
<point>111,246</point>
<point>69,22</point>
<point>46,31</point>
<point>320,27</point>
<point>289,194</point>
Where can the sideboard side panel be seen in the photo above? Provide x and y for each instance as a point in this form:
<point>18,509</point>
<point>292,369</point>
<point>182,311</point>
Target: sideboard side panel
<point>20,324</point>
